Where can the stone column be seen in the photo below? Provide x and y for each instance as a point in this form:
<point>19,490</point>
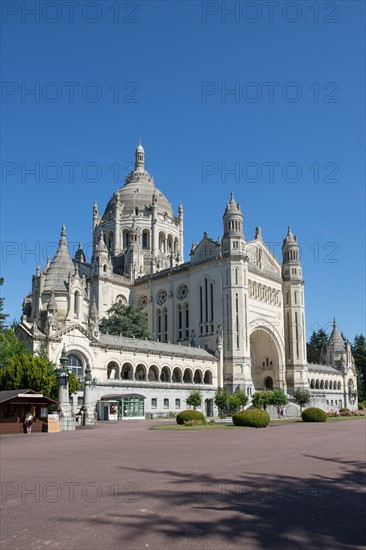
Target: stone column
<point>89,406</point>
<point>67,421</point>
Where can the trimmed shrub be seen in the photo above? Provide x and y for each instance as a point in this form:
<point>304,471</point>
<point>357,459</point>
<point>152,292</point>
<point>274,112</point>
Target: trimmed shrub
<point>313,414</point>
<point>343,410</point>
<point>361,406</point>
<point>254,418</point>
<point>185,416</point>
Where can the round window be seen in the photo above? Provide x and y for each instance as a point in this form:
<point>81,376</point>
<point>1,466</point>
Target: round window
<point>142,302</point>
<point>161,297</point>
<point>182,292</point>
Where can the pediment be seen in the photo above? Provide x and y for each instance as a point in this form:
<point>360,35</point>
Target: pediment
<point>261,258</point>
<point>78,328</point>
<point>206,249</point>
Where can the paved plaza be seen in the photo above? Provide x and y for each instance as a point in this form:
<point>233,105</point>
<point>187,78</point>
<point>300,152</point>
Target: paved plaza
<point>124,486</point>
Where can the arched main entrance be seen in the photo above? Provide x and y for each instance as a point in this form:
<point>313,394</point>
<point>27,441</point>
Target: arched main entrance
<point>266,359</point>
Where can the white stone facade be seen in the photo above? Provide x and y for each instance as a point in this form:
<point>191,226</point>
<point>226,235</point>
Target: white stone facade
<point>232,316</point>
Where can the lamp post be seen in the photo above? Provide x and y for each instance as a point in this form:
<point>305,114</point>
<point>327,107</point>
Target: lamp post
<point>88,406</point>
<point>63,373</point>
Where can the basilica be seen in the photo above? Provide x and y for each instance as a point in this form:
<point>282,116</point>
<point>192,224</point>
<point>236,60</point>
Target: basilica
<point>231,316</point>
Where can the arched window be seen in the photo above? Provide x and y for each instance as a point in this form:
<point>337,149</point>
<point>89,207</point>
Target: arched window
<point>125,238</point>
<point>187,377</point>
<point>170,244</point>
<point>186,319</point>
<point>140,373</point>
<point>158,324</point>
<point>317,384</point>
<point>197,377</point>
<point>165,374</point>
<point>77,303</point>
<point>322,385</point>
<point>180,322</point>
<point>339,385</point>
<point>208,377</point>
<point>127,373</point>
<point>312,384</point>
<point>113,370</point>
<point>165,315</point>
<point>326,385</point>
<point>153,375</point>
<point>110,241</point>
<point>145,239</point>
<point>268,383</point>
<point>162,242</point>
<point>74,362</point>
<point>177,375</point>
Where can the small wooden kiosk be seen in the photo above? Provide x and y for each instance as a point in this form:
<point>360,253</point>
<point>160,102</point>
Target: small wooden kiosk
<point>14,404</point>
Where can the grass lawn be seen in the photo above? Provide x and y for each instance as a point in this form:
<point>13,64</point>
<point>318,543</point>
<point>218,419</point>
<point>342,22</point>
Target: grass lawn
<point>232,427</point>
<point>342,418</point>
<point>204,427</point>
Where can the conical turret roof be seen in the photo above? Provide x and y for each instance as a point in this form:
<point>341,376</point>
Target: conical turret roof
<point>61,266</point>
<point>336,340</point>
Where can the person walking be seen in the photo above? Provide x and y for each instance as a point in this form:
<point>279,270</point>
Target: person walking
<point>27,424</point>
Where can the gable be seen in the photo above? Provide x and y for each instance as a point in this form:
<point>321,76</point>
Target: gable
<point>206,249</point>
<point>78,329</point>
<point>262,259</point>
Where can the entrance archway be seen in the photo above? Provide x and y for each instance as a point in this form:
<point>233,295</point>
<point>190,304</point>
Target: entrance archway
<point>268,383</point>
<point>266,359</point>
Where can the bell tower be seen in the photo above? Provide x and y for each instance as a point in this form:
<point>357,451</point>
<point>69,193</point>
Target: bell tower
<point>294,313</point>
<point>233,240</point>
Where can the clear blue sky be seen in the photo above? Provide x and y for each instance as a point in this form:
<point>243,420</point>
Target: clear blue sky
<point>293,129</point>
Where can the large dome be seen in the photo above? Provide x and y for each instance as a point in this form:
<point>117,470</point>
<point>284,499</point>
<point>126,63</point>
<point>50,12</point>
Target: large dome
<point>139,227</point>
<point>139,191</point>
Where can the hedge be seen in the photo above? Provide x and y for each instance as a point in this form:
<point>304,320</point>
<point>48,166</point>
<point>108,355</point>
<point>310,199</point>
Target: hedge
<point>313,414</point>
<point>185,416</point>
<point>254,418</point>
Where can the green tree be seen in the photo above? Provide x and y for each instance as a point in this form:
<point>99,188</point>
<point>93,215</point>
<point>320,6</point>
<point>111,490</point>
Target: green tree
<point>278,399</point>
<point>194,399</point>
<point>9,346</point>
<point>3,316</point>
<point>74,384</point>
<point>233,402</point>
<point>28,372</point>
<point>359,354</point>
<point>260,399</point>
<point>302,398</point>
<point>317,342</point>
<point>126,321</point>
<point>241,397</point>
<point>221,401</point>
